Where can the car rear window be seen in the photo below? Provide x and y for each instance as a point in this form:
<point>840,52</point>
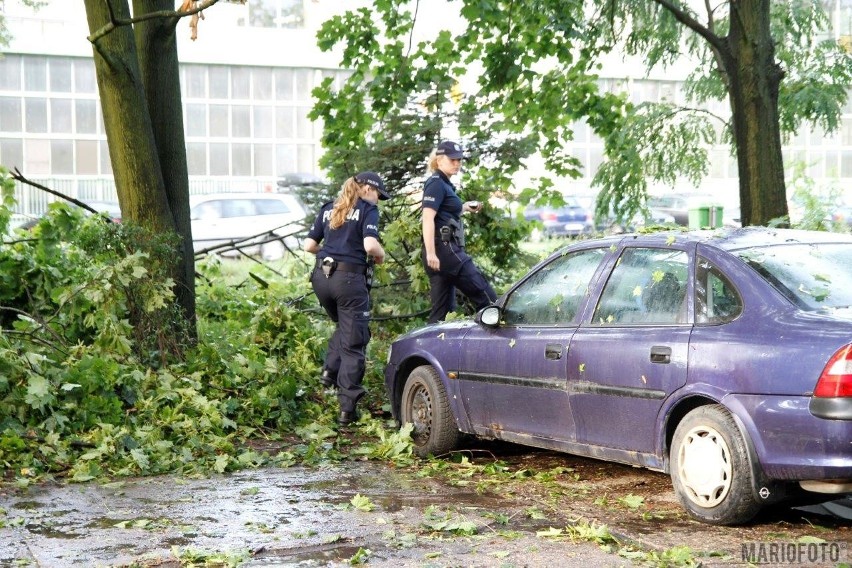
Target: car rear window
<point>815,277</point>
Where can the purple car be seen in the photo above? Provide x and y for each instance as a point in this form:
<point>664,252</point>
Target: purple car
<point>723,358</point>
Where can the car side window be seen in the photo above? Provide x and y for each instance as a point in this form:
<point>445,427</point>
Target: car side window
<point>716,299</point>
<point>270,207</point>
<point>647,286</point>
<point>553,294</point>
<point>207,210</point>
<point>237,208</point>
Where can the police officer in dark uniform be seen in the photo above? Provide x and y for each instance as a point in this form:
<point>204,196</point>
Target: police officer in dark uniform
<point>444,258</point>
<point>348,227</point>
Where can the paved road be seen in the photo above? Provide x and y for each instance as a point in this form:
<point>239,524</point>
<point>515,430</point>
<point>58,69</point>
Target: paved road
<point>304,517</point>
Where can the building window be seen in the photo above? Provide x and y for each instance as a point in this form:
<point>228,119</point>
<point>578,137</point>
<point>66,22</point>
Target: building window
<point>60,75</point>
<point>219,120</point>
<point>12,153</point>
<point>219,160</point>
<point>10,73</point>
<point>10,114</point>
<point>264,122</point>
<point>35,115</point>
<point>37,157</point>
<point>261,81</point>
<point>61,157</point>
<point>275,14</point>
<point>86,157</point>
<point>196,120</point>
<point>241,121</point>
<point>106,163</point>
<point>284,84</point>
<point>86,115</point>
<point>195,80</point>
<point>60,116</point>
<point>219,80</point>
<point>35,74</point>
<point>240,83</point>
<point>196,158</point>
<point>84,76</point>
<point>241,159</point>
<point>263,161</point>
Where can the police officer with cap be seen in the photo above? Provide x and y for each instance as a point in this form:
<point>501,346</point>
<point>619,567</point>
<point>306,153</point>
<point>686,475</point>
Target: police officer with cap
<point>444,258</point>
<point>348,227</point>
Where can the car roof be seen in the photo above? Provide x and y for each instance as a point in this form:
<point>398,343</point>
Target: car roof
<point>725,238</point>
<point>193,199</point>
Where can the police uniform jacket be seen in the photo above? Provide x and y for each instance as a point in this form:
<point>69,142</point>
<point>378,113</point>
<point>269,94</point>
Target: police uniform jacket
<point>440,194</point>
<point>346,243</point>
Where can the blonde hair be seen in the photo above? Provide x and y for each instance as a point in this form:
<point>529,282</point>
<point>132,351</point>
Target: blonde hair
<point>344,203</point>
<point>432,161</point>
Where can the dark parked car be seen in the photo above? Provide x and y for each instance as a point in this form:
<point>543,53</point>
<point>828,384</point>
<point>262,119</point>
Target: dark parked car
<point>570,220</point>
<point>723,358</point>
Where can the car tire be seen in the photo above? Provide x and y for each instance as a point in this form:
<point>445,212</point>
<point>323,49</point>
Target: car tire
<point>710,468</point>
<point>425,405</point>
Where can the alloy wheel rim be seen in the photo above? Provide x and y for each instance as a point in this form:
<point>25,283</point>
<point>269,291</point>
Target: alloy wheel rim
<point>421,414</point>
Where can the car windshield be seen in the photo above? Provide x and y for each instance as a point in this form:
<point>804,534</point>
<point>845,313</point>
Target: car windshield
<point>814,277</point>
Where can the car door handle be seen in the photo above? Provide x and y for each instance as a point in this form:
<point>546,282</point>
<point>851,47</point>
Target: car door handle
<point>553,351</point>
<point>661,354</point>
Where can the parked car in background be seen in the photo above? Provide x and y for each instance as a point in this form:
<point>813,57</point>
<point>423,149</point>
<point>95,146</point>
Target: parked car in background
<point>611,224</point>
<point>723,358</point>
<point>110,209</point>
<point>245,219</point>
<point>569,220</point>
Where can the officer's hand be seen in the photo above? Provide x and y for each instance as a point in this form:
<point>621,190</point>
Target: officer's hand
<point>378,258</point>
<point>433,262</point>
<point>472,206</point>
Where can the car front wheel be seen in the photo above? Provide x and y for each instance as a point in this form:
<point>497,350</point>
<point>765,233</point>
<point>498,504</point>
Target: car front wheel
<point>425,405</point>
<point>710,469</point>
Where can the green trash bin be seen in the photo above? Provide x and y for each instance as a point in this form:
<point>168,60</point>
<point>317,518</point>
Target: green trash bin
<point>707,216</point>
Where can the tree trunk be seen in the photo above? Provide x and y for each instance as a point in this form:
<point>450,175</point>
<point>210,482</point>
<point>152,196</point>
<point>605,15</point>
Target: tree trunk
<point>755,77</point>
<point>158,60</point>
<point>130,133</point>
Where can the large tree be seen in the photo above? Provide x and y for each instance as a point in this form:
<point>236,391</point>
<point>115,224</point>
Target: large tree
<point>136,63</point>
<point>536,65</point>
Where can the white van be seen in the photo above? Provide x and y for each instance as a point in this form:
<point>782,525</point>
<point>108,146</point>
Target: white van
<point>219,218</point>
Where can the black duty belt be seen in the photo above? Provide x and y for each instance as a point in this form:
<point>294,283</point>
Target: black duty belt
<point>347,267</point>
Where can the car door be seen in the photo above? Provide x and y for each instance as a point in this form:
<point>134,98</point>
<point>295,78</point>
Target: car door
<point>513,378</point>
<point>632,354</point>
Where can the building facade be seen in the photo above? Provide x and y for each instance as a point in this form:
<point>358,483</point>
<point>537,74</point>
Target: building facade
<point>246,83</point>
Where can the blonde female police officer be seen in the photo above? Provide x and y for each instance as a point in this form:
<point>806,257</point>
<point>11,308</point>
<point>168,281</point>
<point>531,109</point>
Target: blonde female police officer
<point>444,258</point>
<point>348,227</point>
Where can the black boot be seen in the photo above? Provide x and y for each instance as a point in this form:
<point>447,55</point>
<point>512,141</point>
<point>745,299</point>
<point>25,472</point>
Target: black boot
<point>346,418</point>
<point>327,379</point>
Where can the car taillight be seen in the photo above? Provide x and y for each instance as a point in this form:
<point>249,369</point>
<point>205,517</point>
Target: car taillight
<point>548,216</point>
<point>836,378</point>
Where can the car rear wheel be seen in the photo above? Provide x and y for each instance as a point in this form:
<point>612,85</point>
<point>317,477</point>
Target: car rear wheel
<point>710,469</point>
<point>425,405</point>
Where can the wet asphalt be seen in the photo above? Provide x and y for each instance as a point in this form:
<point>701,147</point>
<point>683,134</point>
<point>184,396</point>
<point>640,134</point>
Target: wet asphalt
<point>271,517</point>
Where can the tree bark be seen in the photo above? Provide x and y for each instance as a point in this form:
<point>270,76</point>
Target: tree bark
<point>130,134</point>
<point>158,59</point>
<point>754,78</point>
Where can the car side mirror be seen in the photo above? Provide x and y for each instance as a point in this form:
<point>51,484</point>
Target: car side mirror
<point>489,316</point>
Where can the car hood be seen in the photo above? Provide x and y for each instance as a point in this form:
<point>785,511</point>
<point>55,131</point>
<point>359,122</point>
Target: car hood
<point>453,328</point>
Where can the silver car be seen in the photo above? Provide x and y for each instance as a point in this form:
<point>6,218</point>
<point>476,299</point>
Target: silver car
<point>253,219</point>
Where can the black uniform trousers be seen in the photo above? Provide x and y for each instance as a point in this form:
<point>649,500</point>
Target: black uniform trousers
<point>457,271</point>
<point>346,300</point>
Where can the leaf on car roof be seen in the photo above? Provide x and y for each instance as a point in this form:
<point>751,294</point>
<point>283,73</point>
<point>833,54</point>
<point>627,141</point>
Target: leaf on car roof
<point>512,343</point>
<point>637,291</point>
